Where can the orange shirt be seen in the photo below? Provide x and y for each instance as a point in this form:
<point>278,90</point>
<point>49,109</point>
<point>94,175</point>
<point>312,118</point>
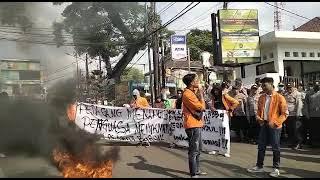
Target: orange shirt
<point>229,103</point>
<point>191,103</point>
<point>278,109</point>
<point>140,102</point>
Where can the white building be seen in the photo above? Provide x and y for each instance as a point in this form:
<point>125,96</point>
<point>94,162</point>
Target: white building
<point>287,56</point>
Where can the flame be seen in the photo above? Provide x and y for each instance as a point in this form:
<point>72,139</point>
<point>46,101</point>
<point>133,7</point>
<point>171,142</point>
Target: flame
<point>71,111</point>
<point>74,168</point>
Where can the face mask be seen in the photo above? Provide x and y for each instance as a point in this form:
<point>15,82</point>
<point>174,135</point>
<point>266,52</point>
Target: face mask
<point>281,88</point>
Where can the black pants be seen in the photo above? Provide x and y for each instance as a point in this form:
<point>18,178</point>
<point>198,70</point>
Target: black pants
<point>253,132</point>
<point>240,124</point>
<point>314,125</point>
<point>290,128</point>
<point>195,145</point>
<point>267,136</point>
<point>299,131</point>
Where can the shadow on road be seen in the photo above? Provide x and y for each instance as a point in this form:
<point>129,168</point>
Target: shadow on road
<point>235,169</point>
<point>301,158</point>
<point>35,174</point>
<point>144,165</point>
<point>298,172</point>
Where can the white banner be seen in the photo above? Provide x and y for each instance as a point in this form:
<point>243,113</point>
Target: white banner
<point>178,48</point>
<point>152,125</point>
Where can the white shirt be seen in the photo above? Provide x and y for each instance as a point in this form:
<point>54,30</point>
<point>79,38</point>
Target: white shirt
<point>266,108</point>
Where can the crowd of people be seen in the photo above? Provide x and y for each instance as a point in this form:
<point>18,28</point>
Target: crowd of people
<point>259,115</point>
<point>241,104</point>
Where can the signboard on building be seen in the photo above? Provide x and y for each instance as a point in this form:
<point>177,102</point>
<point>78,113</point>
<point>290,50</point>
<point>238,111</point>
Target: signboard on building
<point>238,36</point>
<point>179,47</point>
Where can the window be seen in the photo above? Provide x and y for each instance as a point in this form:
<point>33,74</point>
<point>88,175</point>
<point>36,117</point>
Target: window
<point>265,68</point>
<point>287,54</point>
<point>311,54</point>
<point>264,57</point>
<point>271,55</point>
<point>29,75</point>
<point>295,54</point>
<point>304,54</point>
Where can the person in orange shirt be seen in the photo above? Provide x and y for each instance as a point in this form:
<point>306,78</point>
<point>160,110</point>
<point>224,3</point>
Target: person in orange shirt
<point>272,112</point>
<point>138,101</point>
<point>193,108</point>
<point>229,103</point>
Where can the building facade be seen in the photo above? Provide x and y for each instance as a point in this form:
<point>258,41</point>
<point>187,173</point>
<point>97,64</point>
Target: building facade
<point>293,56</point>
<point>19,77</point>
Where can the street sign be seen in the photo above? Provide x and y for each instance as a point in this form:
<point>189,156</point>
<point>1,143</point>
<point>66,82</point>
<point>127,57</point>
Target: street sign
<point>179,47</point>
<point>238,37</point>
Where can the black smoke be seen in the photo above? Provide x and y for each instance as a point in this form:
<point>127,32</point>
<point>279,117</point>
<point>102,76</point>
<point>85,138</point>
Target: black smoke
<point>37,128</point>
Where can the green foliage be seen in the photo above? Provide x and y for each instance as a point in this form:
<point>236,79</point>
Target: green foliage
<point>132,74</point>
<point>199,41</point>
<point>107,29</point>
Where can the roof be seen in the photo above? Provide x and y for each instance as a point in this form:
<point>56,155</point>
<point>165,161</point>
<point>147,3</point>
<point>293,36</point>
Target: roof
<point>291,37</point>
<point>311,26</point>
<point>21,60</point>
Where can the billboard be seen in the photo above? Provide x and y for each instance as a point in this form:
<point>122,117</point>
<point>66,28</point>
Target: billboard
<point>179,47</point>
<point>238,36</point>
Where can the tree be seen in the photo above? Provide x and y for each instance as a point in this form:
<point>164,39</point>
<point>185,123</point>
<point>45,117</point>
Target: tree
<point>132,74</point>
<point>106,29</point>
<point>14,14</point>
<point>199,41</point>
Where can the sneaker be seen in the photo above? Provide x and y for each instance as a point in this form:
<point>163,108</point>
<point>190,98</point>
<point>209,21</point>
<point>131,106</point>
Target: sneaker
<point>275,173</point>
<point>227,155</point>
<point>2,155</point>
<point>212,152</point>
<point>196,176</point>
<point>255,169</point>
<point>201,173</point>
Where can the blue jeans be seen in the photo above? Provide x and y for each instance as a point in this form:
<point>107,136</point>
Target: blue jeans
<point>268,136</point>
<point>195,145</point>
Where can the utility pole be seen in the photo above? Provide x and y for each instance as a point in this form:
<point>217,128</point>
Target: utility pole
<point>189,68</point>
<point>225,5</point>
<point>78,87</point>
<point>146,29</point>
<point>87,72</point>
<point>155,50</point>
<point>163,70</point>
<point>99,62</point>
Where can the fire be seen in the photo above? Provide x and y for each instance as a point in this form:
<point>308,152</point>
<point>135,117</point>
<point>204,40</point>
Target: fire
<point>72,167</point>
<point>71,111</point>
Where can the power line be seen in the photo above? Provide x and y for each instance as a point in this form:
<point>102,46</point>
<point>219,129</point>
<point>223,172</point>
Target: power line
<point>174,18</point>
<point>166,8</point>
<point>137,60</point>
<point>288,11</point>
<point>195,21</point>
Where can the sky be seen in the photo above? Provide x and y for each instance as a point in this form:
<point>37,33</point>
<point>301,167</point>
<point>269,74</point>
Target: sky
<point>44,13</point>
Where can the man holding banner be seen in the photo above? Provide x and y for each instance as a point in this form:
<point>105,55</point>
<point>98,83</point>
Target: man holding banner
<point>193,108</point>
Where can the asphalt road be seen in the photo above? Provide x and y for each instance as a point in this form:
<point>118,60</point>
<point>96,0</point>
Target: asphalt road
<point>161,161</point>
